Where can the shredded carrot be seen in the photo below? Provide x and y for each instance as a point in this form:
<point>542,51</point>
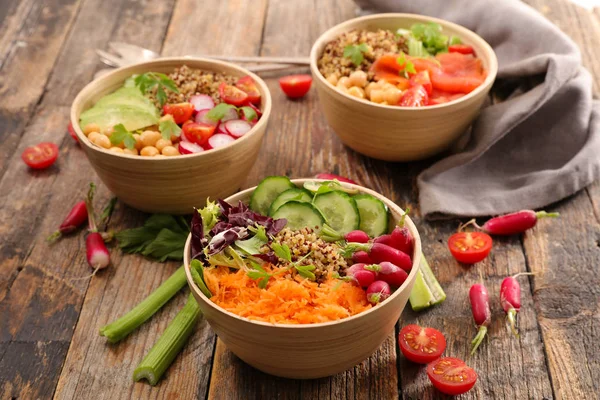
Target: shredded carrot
<point>285,300</point>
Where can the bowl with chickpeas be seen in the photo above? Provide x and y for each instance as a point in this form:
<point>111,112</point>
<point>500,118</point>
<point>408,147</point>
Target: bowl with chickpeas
<point>166,134</point>
<point>401,87</point>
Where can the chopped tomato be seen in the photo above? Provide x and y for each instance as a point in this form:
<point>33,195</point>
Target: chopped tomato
<point>461,48</point>
<point>232,95</point>
<point>416,96</point>
<point>247,85</point>
<point>421,345</point>
<point>181,112</point>
<point>459,73</point>
<point>470,247</point>
<point>198,132</point>
<point>451,376</point>
<point>40,156</point>
<point>295,86</point>
<point>72,132</point>
<point>422,78</point>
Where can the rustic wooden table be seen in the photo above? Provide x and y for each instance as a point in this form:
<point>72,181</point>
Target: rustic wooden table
<point>49,342</point>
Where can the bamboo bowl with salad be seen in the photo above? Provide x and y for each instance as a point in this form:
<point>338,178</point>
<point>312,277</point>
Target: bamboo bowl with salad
<point>401,87</point>
<point>298,347</point>
<point>165,165</point>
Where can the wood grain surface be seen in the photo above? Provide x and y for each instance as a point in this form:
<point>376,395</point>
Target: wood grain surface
<point>49,319</point>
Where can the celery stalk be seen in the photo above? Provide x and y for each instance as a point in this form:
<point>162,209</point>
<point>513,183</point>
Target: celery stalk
<point>122,327</point>
<point>164,351</point>
<point>426,291</point>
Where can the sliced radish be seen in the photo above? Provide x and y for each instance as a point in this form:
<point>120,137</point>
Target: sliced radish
<point>203,119</point>
<point>237,127</point>
<point>255,108</point>
<point>189,148</point>
<point>202,102</point>
<point>219,140</point>
<point>230,114</point>
<point>221,129</point>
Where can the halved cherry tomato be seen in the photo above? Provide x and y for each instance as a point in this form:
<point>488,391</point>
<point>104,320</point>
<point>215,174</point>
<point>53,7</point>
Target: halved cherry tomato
<point>232,95</point>
<point>198,132</point>
<point>181,112</point>
<point>461,48</point>
<point>422,78</point>
<point>470,247</point>
<point>459,73</point>
<point>40,156</point>
<point>72,132</point>
<point>416,96</point>
<point>421,345</point>
<point>247,85</point>
<point>295,86</point>
<point>451,376</point>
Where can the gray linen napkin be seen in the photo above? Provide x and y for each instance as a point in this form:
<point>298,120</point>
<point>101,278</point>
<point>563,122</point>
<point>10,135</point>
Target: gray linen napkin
<point>540,145</point>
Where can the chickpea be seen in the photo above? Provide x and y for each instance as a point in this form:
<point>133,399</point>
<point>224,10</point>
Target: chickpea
<point>358,78</point>
<point>116,150</point>
<point>356,92</point>
<point>167,117</point>
<point>132,152</point>
<point>377,96</point>
<point>343,82</point>
<point>92,135</point>
<point>392,96</point>
<point>138,141</point>
<point>108,131</point>
<point>371,86</point>
<point>102,141</point>
<point>333,79</point>
<point>149,151</point>
<point>149,138</point>
<point>162,143</point>
<point>89,128</point>
<point>170,151</point>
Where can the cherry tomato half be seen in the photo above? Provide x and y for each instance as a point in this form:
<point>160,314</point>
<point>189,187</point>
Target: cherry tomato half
<point>422,78</point>
<point>421,345</point>
<point>40,156</point>
<point>451,376</point>
<point>181,112</point>
<point>295,86</point>
<point>416,96</point>
<point>461,48</point>
<point>232,95</point>
<point>247,85</point>
<point>198,132</point>
<point>72,132</point>
<point>470,247</point>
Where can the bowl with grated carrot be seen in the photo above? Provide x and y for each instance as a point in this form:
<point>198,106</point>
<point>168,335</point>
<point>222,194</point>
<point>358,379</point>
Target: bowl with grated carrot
<point>302,278</point>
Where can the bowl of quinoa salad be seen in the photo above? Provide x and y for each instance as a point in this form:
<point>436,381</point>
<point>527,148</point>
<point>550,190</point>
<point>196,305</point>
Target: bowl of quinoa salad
<point>378,96</point>
<point>279,318</point>
<point>163,134</point>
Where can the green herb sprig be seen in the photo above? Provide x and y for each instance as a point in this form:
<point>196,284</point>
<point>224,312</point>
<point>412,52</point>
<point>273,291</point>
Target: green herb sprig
<point>355,52</point>
<point>406,66</point>
<point>283,251</point>
<point>169,128</point>
<point>150,80</point>
<point>122,135</point>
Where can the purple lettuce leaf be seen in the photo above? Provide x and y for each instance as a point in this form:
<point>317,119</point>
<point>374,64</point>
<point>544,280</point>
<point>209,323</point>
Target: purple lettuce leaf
<point>242,216</point>
<point>226,238</point>
<point>269,257</point>
<point>198,240</point>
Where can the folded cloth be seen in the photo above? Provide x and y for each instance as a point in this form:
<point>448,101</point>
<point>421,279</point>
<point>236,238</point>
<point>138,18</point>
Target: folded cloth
<point>538,146</point>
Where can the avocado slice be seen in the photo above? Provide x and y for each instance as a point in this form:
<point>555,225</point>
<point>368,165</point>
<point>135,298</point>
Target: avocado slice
<point>132,118</point>
<point>131,97</point>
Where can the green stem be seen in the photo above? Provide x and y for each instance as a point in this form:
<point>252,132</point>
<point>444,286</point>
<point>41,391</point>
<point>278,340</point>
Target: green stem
<point>329,234</point>
<point>544,214</point>
<point>168,346</point>
<point>512,321</point>
<point>122,327</point>
<point>478,339</point>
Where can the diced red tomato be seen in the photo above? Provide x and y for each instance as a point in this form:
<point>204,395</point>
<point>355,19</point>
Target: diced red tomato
<point>295,86</point>
<point>232,95</point>
<point>181,112</point>
<point>72,132</point>
<point>198,132</point>
<point>416,96</point>
<point>40,156</point>
<point>421,345</point>
<point>247,85</point>
<point>461,48</point>
<point>422,78</point>
<point>459,73</point>
<point>470,247</point>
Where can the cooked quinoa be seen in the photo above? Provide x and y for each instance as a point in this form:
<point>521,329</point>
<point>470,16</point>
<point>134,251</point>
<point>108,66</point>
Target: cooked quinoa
<point>380,42</point>
<point>323,255</point>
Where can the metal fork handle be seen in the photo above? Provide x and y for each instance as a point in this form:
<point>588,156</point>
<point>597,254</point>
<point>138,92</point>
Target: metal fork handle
<point>260,59</point>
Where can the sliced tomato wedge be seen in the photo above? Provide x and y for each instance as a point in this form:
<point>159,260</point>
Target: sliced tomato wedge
<point>181,112</point>
<point>461,48</point>
<point>40,156</point>
<point>470,247</point>
<point>459,73</point>
<point>295,86</point>
<point>421,345</point>
<point>197,132</point>
<point>247,85</point>
<point>451,376</point>
<point>416,96</point>
<point>72,132</point>
<point>232,95</point>
<point>422,78</point>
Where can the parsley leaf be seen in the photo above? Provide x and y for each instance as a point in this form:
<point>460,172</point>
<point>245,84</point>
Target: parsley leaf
<point>406,66</point>
<point>282,251</point>
<point>259,273</point>
<point>305,271</point>
<point>249,113</point>
<point>122,135</point>
<point>253,245</point>
<point>218,112</point>
<point>431,36</point>
<point>169,128</point>
<point>150,80</point>
<point>356,53</point>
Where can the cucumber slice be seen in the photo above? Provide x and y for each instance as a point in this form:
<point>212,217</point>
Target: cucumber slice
<point>298,194</point>
<point>426,291</point>
<point>267,190</point>
<point>339,209</point>
<point>300,215</point>
<point>374,216</point>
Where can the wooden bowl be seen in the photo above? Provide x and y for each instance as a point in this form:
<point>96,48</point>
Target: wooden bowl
<point>394,133</point>
<point>171,185</point>
<point>312,350</point>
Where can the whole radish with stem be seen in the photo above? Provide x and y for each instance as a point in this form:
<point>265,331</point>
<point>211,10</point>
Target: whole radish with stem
<point>97,254</point>
<point>331,235</point>
<point>480,306</point>
<point>401,238</point>
<point>388,272</point>
<point>379,252</point>
<point>514,223</point>
<point>378,291</point>
<point>361,275</point>
<point>76,217</point>
<point>510,298</point>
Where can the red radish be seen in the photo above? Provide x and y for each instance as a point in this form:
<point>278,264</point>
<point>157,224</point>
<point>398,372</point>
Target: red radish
<point>388,272</point>
<point>203,119</point>
<point>480,306</point>
<point>202,102</point>
<point>511,224</point>
<point>221,129</point>
<point>333,176</point>
<point>362,276</point>
<point>97,254</point>
<point>379,252</point>
<point>401,236</point>
<point>219,140</point>
<point>510,298</point>
<point>230,114</point>
<point>378,291</point>
<point>357,236</point>
<point>72,132</point>
<point>384,239</point>
<point>76,217</point>
<point>237,127</point>
<point>186,147</point>
<point>361,257</point>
